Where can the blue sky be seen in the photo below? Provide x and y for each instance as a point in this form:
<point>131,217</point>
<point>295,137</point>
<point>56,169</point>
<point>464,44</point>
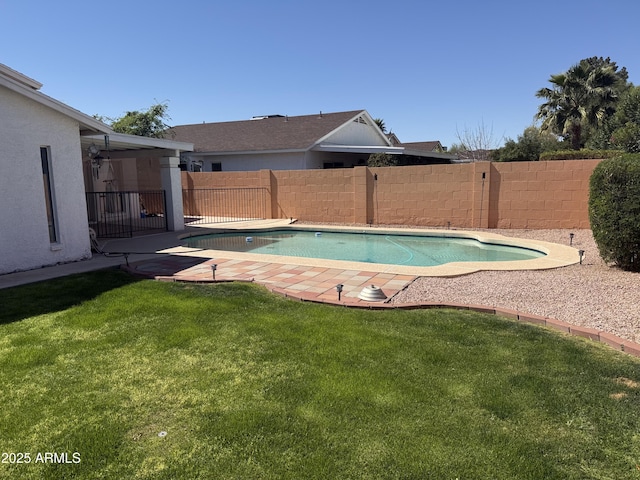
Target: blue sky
<point>430,70</point>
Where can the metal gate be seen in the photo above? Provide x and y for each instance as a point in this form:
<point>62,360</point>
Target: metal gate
<point>125,214</point>
<point>216,205</point>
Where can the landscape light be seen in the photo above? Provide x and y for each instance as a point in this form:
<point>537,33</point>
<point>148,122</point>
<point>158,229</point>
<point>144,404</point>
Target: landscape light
<point>339,290</point>
<point>571,235</point>
<point>214,267</point>
<point>581,253</point>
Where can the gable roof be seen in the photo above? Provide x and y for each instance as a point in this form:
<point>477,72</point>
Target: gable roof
<point>270,133</point>
<point>433,146</point>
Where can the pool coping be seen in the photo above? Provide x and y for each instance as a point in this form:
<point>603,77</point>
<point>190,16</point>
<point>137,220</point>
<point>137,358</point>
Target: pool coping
<point>556,255</point>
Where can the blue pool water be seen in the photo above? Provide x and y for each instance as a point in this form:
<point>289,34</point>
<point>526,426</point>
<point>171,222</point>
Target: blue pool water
<point>397,249</point>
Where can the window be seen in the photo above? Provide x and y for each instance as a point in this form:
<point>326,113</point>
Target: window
<point>48,193</point>
<point>216,167</point>
<point>333,165</point>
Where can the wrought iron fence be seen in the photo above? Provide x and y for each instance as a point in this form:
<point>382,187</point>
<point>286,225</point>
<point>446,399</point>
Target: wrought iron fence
<point>125,214</point>
<point>216,205</point>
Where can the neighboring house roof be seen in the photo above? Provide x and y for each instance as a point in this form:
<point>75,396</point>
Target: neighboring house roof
<point>433,146</point>
<point>393,139</point>
<point>270,133</point>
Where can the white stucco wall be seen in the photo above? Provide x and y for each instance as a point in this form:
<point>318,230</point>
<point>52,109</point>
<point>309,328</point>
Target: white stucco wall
<point>251,162</point>
<point>25,126</point>
<point>355,133</point>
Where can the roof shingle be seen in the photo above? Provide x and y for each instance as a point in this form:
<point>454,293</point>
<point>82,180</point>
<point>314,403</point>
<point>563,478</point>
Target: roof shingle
<point>264,134</point>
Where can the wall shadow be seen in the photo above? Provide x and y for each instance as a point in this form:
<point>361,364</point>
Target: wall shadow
<point>58,294</point>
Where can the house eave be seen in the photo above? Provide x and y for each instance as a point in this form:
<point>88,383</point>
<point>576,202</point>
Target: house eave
<point>422,153</point>
<point>25,88</point>
<point>247,152</point>
<point>121,141</point>
<point>358,149</point>
<point>381,149</point>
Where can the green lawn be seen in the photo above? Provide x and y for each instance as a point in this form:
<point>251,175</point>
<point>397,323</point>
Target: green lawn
<point>246,384</point>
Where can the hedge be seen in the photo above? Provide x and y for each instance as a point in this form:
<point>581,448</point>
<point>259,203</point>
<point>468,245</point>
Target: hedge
<point>614,210</point>
<point>580,154</point>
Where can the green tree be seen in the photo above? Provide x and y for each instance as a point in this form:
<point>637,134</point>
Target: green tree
<point>380,123</point>
<point>583,97</point>
<point>626,135</point>
<point>528,146</point>
<point>383,160</point>
<point>147,123</point>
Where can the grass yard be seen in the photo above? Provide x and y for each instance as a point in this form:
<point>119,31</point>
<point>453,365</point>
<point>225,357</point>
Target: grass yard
<point>121,378</point>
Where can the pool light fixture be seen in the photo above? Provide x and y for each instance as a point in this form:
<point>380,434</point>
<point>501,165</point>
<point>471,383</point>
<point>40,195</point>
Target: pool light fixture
<point>339,288</point>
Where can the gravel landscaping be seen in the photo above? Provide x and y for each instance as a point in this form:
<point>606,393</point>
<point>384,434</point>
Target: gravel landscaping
<point>593,294</point>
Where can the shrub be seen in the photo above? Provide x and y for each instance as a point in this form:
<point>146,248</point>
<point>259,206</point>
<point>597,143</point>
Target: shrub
<point>627,137</point>
<point>614,210</point>
<point>579,154</point>
<point>382,160</point>
<point>529,146</point>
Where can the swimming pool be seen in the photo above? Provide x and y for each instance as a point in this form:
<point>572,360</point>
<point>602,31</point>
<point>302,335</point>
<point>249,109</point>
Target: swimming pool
<point>368,247</point>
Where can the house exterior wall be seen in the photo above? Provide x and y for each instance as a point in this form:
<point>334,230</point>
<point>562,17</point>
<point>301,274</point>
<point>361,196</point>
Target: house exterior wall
<point>355,133</point>
<point>279,161</point>
<point>25,126</point>
<point>360,132</point>
<point>534,195</point>
<point>252,161</point>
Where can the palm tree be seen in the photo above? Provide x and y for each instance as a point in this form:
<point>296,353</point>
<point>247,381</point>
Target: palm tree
<point>585,95</point>
<point>381,125</point>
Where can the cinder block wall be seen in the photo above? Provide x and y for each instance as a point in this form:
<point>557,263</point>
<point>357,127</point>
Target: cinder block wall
<point>200,200</point>
<point>430,195</point>
<point>534,195</point>
<point>538,195</point>
<point>314,195</point>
